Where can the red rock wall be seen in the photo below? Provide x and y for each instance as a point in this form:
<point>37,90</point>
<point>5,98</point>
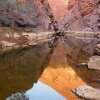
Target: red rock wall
<point>59,8</point>
<point>71,14</point>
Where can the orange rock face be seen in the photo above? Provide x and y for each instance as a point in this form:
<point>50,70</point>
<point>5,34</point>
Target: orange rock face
<point>59,8</point>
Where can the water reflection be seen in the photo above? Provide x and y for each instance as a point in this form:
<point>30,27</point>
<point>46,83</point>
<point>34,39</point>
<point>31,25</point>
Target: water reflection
<point>41,91</point>
<point>22,67</point>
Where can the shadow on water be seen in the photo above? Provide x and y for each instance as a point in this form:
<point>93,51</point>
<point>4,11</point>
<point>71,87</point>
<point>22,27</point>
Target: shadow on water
<point>21,68</point>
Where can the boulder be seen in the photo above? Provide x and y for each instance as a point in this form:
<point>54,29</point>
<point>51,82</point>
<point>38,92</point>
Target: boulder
<point>87,92</point>
<point>94,62</point>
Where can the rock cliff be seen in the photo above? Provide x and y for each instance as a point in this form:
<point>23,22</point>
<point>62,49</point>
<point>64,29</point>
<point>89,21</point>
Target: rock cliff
<point>77,15</point>
<point>82,15</point>
<point>23,13</point>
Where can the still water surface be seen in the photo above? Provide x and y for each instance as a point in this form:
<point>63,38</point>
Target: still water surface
<point>41,91</point>
<point>21,68</point>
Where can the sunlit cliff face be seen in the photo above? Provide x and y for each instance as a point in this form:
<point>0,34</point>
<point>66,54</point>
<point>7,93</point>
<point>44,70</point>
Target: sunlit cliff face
<point>77,15</point>
<point>59,8</point>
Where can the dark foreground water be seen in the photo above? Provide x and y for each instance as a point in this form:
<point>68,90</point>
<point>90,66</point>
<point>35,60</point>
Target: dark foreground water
<point>21,68</point>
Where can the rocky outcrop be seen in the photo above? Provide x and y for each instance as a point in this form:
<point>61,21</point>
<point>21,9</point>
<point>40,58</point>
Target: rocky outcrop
<point>94,62</point>
<point>15,40</point>
<point>23,13</point>
<point>74,15</point>
<point>18,96</point>
<point>82,15</point>
<point>59,8</point>
<point>87,93</point>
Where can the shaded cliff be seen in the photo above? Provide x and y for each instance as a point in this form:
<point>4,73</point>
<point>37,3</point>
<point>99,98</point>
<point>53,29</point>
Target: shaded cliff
<point>75,15</point>
<point>21,68</point>
<point>23,13</point>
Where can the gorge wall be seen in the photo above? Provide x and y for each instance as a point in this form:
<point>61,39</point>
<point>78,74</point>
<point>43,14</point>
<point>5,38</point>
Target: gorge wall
<point>77,15</point>
<point>23,13</point>
<point>85,16</point>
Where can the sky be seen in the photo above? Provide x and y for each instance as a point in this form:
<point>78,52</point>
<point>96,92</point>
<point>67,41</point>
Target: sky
<point>41,91</point>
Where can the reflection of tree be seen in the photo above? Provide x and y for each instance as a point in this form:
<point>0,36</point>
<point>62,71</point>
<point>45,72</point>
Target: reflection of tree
<point>18,96</point>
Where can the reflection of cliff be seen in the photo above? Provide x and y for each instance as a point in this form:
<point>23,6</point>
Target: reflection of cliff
<point>63,72</point>
<point>21,68</point>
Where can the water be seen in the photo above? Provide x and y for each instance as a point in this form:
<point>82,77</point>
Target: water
<point>20,69</point>
<point>41,91</point>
